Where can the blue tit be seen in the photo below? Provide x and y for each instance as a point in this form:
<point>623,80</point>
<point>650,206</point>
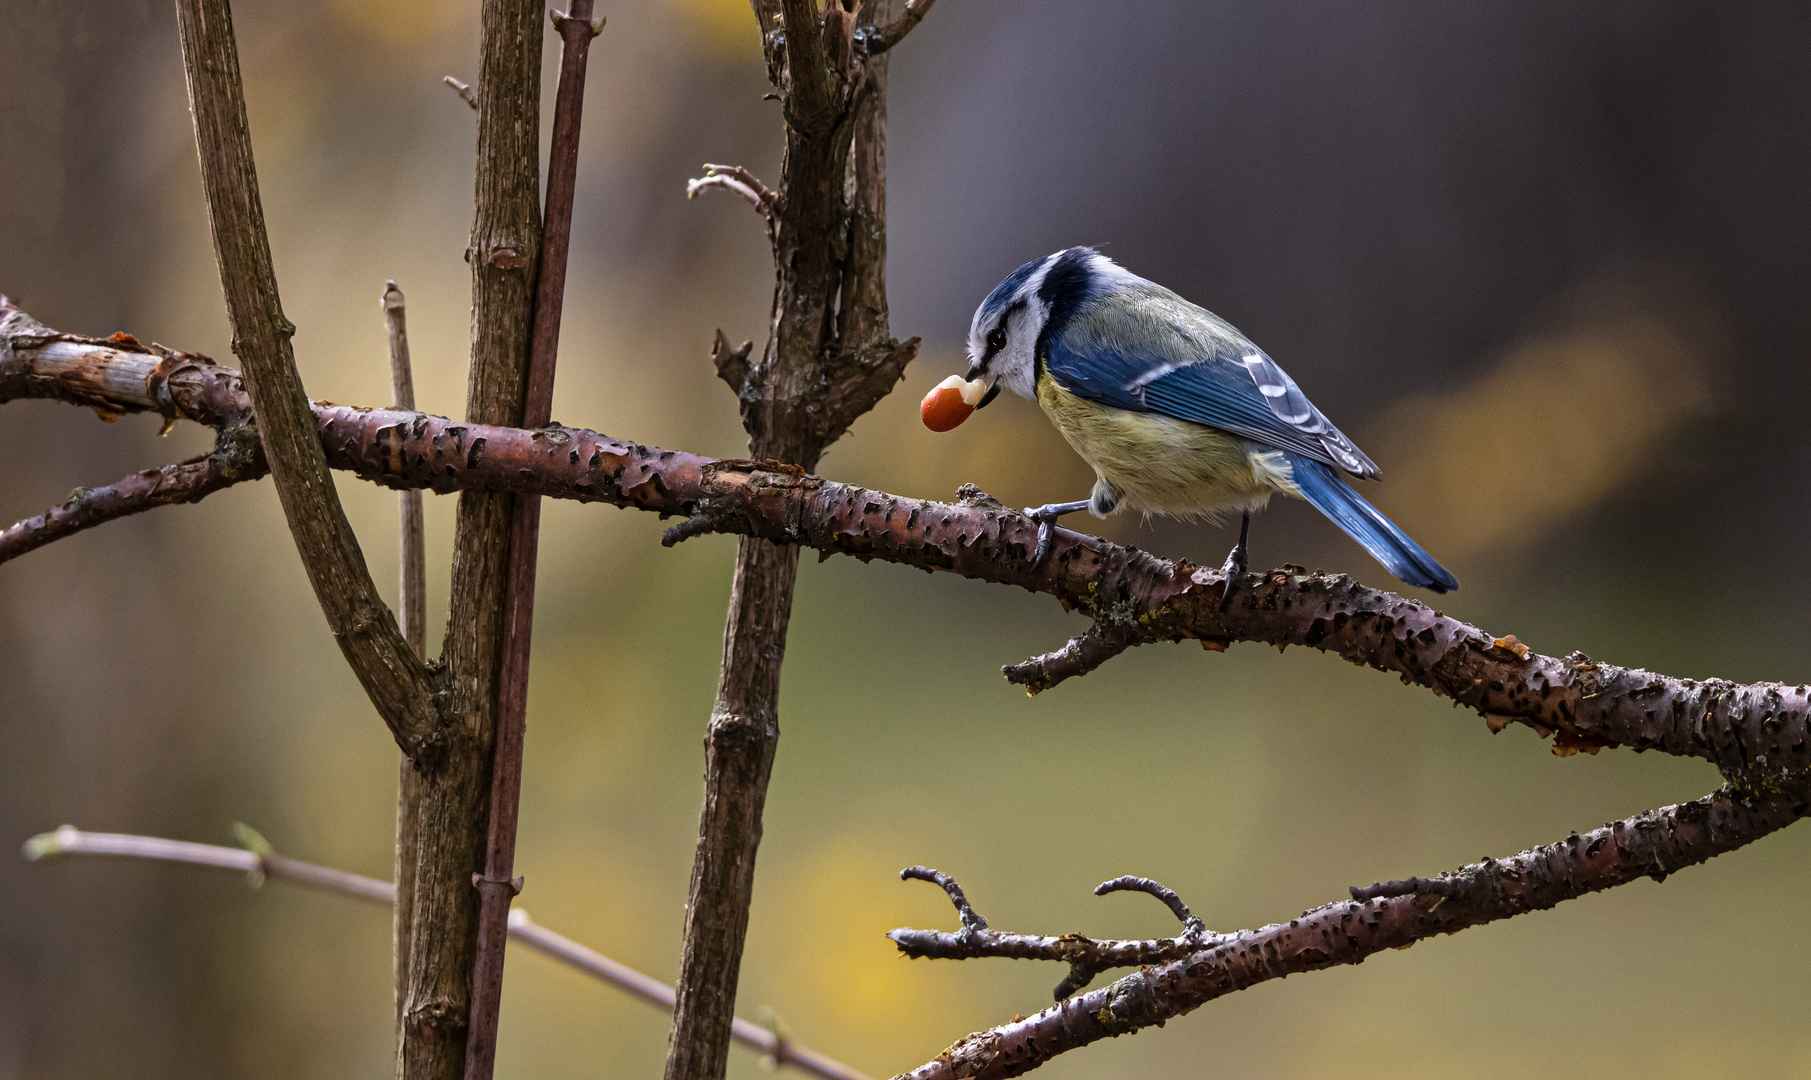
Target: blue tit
<point>1176,411</point>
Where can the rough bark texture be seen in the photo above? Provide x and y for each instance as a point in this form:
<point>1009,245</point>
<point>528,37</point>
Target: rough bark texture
<point>455,785</point>
<point>819,371</point>
<point>498,885</point>
<point>393,676</point>
<point>1653,844</point>
<point>1756,731</point>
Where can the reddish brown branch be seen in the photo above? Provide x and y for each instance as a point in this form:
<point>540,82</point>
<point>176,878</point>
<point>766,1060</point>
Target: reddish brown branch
<point>496,885</point>
<point>1757,730</point>
<point>1654,844</point>
<point>184,482</point>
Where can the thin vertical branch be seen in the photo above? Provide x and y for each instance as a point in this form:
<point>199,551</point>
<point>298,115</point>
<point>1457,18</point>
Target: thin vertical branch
<point>496,885</point>
<point>414,573</point>
<point>413,606</point>
<point>455,789</point>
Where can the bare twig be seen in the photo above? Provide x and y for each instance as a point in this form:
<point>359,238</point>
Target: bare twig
<point>1653,844</point>
<point>464,90</point>
<point>496,885</point>
<point>184,482</point>
<point>1191,925</point>
<point>737,179</point>
<point>1086,957</point>
<point>970,920</point>
<point>259,862</point>
<point>395,679</point>
<point>413,587</point>
<point>894,32</point>
<point>412,592</point>
<point>1754,730</point>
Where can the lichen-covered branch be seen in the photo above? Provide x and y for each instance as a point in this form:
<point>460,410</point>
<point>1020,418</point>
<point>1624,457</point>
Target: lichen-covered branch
<point>1650,845</point>
<point>1756,731</point>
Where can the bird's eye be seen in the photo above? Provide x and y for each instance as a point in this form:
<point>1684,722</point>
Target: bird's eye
<point>996,339</point>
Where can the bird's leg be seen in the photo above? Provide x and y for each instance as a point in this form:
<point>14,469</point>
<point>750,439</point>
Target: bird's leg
<point>1046,516</point>
<point>1235,560</point>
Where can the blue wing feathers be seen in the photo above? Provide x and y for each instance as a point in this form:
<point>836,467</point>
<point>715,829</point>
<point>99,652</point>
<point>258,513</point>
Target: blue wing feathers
<point>1363,522</point>
<point>1155,352</point>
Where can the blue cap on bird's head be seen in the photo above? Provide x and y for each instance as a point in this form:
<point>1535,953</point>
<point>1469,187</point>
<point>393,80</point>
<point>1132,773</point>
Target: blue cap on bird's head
<point>1029,306</point>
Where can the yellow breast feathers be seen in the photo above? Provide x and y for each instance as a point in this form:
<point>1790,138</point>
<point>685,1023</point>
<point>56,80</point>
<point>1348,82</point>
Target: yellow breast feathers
<point>1163,465</point>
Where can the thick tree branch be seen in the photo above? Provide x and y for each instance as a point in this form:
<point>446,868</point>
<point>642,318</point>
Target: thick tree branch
<point>395,678</point>
<point>1755,730</point>
<point>454,805</point>
<point>260,863</point>
<point>1654,844</point>
<point>816,374</point>
<point>497,884</point>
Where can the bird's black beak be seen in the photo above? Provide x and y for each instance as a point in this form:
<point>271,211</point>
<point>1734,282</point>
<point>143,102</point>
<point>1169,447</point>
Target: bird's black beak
<point>992,391</point>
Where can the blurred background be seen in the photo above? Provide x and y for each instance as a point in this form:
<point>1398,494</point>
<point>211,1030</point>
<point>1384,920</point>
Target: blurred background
<point>1544,260</point>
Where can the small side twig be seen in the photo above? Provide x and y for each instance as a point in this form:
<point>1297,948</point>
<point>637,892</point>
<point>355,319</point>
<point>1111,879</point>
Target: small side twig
<point>464,90</point>
<point>893,33</point>
<point>1080,655</point>
<point>258,862</point>
<point>1191,925</point>
<point>970,920</point>
<point>184,482</point>
<point>737,179</point>
<point>1086,957</point>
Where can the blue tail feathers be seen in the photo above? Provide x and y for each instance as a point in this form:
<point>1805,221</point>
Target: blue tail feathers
<point>1388,544</point>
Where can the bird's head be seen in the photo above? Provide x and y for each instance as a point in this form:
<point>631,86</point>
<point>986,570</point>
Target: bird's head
<point>1023,312</point>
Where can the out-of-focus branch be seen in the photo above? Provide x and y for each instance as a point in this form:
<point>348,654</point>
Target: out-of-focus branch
<point>258,861</point>
<point>464,90</point>
<point>1086,957</point>
<point>1654,844</point>
<point>393,676</point>
<point>1756,731</point>
<point>734,178</point>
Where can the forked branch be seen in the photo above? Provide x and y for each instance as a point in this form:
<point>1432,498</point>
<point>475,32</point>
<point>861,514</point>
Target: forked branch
<point>1650,845</point>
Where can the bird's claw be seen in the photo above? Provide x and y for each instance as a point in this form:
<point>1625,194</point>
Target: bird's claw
<point>1232,570</point>
<point>1046,533</point>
